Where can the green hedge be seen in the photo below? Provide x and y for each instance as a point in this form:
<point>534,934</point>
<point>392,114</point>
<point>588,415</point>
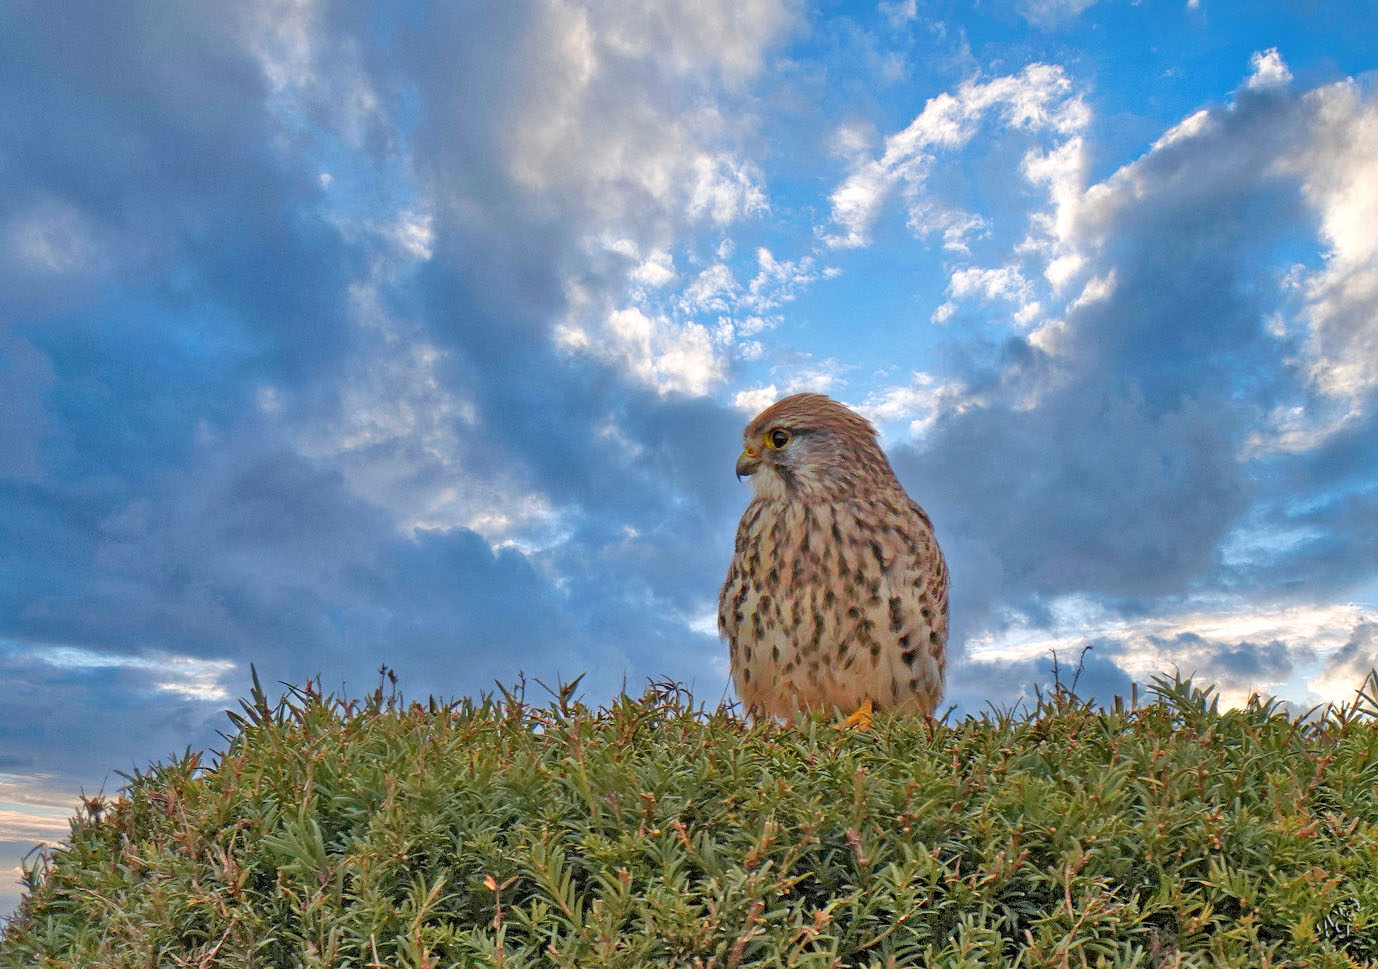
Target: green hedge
<point>654,833</point>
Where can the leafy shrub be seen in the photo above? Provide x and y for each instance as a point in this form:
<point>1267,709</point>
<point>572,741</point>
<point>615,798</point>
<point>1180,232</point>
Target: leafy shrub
<point>653,833</point>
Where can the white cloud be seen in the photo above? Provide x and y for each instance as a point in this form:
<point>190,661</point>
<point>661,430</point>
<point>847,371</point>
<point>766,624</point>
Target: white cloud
<point>631,123</point>
<point>1050,13</point>
<point>1028,313</point>
<point>1006,282</point>
<point>1039,99</point>
<point>752,325</point>
<point>400,433</point>
<point>660,353</point>
<point>1297,428</point>
<point>662,340</point>
<point>1338,167</point>
<point>1267,69</point>
<point>602,126</point>
<point>725,189</point>
<point>929,216</point>
<point>655,269</point>
<point>188,677</point>
<point>658,270</point>
<point>899,12</point>
<point>283,41</point>
<point>1053,232</point>
<point>1053,337</point>
<point>815,376</point>
<point>757,399</point>
<point>854,141</point>
<point>287,39</point>
<point>777,281</point>
<point>713,289</point>
<point>988,285</point>
<point>727,38</point>
<point>919,404</point>
<point>1097,289</point>
<point>51,238</point>
<point>806,376</point>
<point>1189,127</point>
<point>414,234</point>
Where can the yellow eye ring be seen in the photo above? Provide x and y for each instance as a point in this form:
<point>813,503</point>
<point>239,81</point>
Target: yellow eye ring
<point>777,438</point>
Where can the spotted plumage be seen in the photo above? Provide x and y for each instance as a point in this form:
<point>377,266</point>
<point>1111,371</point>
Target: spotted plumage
<point>837,591</point>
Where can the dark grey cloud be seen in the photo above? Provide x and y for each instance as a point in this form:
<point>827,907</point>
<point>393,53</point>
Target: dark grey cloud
<point>25,375</point>
<point>1336,549</point>
<point>152,505</point>
<point>1089,492</point>
<point>259,555</point>
<point>1357,659</point>
<point>142,131</point>
<point>1117,466</point>
<point>65,716</point>
<point>1241,663</point>
<point>986,685</point>
<point>179,240</point>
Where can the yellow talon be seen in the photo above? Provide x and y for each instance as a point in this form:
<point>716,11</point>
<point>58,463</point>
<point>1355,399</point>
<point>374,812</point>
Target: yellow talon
<point>861,719</point>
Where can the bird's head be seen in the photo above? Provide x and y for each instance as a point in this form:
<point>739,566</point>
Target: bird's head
<point>809,446</point>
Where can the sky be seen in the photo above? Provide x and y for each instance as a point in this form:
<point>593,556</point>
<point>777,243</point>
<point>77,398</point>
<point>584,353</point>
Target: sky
<point>336,335</point>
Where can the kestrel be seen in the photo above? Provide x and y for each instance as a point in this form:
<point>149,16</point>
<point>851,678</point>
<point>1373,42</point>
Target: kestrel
<point>837,592</point>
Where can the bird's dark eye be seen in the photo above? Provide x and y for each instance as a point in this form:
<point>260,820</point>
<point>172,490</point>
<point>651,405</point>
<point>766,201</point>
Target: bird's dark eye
<point>777,438</point>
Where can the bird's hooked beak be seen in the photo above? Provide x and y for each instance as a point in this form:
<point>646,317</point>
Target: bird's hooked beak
<point>748,463</point>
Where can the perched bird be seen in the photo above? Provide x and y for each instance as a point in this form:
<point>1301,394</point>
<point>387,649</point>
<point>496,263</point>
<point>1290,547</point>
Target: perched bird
<point>837,592</point>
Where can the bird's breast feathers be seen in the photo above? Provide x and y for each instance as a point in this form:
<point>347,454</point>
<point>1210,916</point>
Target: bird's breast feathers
<point>826,605</point>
